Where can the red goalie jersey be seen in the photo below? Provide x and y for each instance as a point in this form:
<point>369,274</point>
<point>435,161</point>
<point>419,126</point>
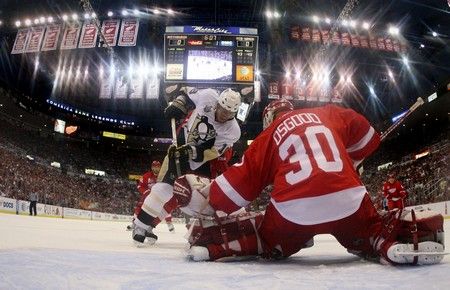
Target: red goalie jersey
<point>310,156</point>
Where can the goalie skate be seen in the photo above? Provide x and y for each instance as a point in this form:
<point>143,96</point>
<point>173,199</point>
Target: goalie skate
<point>428,253</point>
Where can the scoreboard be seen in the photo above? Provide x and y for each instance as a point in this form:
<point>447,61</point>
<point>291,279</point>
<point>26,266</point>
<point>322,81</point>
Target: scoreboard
<point>210,55</point>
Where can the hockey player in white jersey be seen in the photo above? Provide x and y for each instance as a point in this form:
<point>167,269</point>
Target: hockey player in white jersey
<point>209,129</point>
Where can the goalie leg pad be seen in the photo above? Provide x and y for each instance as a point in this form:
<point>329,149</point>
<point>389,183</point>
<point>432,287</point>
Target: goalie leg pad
<point>427,253</point>
<point>230,236</point>
<point>191,192</point>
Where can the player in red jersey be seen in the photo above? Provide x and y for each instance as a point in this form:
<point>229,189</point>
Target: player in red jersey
<point>310,156</point>
<point>394,192</point>
<point>144,186</point>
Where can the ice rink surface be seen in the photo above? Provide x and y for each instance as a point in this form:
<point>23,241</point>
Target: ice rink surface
<point>53,253</point>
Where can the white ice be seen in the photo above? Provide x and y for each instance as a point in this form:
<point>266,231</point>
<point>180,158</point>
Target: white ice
<point>53,253</point>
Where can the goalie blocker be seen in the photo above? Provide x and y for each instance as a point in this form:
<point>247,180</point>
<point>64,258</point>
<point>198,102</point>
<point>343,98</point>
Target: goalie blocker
<point>399,237</point>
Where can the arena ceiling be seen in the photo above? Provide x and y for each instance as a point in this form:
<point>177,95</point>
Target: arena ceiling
<point>421,23</point>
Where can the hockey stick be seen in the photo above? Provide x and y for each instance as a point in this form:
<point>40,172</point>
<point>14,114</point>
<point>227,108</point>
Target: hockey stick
<point>416,105</point>
<point>174,142</point>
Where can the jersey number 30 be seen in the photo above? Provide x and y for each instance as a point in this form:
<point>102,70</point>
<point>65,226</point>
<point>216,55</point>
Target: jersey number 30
<point>300,156</point>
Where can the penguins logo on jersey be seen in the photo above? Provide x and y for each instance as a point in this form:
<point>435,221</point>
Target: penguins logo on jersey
<point>201,131</point>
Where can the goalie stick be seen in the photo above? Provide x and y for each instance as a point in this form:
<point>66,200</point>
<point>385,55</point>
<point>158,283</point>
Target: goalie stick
<point>416,105</point>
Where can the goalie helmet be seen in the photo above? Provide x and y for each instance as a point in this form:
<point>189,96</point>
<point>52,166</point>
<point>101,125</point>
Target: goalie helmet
<point>274,108</point>
<point>230,100</point>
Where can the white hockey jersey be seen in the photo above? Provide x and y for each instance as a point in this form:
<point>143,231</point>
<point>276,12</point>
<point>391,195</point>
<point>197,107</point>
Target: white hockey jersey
<point>210,137</point>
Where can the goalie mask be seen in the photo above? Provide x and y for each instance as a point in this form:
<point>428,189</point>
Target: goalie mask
<point>273,109</point>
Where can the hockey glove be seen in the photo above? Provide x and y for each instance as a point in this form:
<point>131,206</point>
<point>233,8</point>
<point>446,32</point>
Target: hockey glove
<point>182,152</point>
<point>179,107</point>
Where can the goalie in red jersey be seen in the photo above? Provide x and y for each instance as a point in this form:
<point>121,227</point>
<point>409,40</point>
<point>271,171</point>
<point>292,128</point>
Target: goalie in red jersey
<point>310,156</point>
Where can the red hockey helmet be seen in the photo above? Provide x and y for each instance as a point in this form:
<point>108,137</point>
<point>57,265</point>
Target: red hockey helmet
<point>273,108</point>
<point>156,163</point>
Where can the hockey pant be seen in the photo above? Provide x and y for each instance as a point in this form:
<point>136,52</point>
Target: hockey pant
<point>395,204</point>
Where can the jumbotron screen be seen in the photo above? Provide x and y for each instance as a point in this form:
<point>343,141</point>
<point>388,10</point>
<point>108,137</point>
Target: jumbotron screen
<point>198,54</point>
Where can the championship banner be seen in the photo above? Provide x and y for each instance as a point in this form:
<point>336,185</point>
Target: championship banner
<point>121,88</point>
<point>105,88</point>
<point>110,30</point>
<point>373,42</point>
<point>273,91</point>
<point>310,93</point>
<point>315,35</point>
<point>364,41</point>
<point>346,38</point>
<point>152,89</point>
<point>336,38</point>
<point>287,90</point>
<point>35,39</point>
<point>396,45</point>
<point>70,36</point>
<point>136,87</point>
<point>324,95</point>
<point>295,33</point>
<point>128,32</point>
<point>89,34</point>
<point>51,37</point>
<point>380,43</point>
<point>306,34</point>
<point>389,45</point>
<point>355,40</point>
<point>21,41</point>
<point>325,35</point>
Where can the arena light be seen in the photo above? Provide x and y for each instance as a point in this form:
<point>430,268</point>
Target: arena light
<point>269,14</point>
<point>86,16</point>
<point>42,19</point>
<point>405,60</point>
<point>393,30</point>
<point>434,33</point>
<point>353,23</point>
<point>124,12</point>
<point>50,19</point>
<point>344,23</point>
<point>136,12</point>
<point>287,74</point>
<point>27,22</point>
<point>18,23</point>
<point>366,25</point>
<point>297,75</point>
<point>74,16</point>
<point>327,20</point>
<point>100,72</point>
<point>421,45</point>
<point>65,17</point>
<point>93,15</point>
<point>170,11</point>
<point>372,91</point>
<point>156,11</point>
<point>258,73</point>
<point>276,14</point>
<point>1,22</point>
<point>110,14</point>
<point>315,18</point>
<point>36,21</point>
<point>391,75</point>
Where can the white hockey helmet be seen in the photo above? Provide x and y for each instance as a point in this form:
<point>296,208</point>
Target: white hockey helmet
<point>230,100</point>
<point>274,108</point>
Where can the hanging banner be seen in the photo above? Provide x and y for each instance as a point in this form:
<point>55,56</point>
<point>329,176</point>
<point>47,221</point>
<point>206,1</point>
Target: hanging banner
<point>21,41</point>
<point>346,38</point>
<point>121,88</point>
<point>299,91</point>
<point>336,95</point>
<point>325,35</point>
<point>396,45</point>
<point>355,40</point>
<point>306,34</point>
<point>110,30</point>
<point>51,37</point>
<point>389,45</point>
<point>136,87</point>
<point>336,38</point>
<point>35,39</point>
<point>70,36</point>
<point>316,35</point>
<point>380,43</point>
<point>128,32</point>
<point>295,33</point>
<point>152,89</point>
<point>89,34</point>
<point>373,42</point>
<point>364,41</point>
<point>287,90</point>
<point>311,95</point>
<point>273,91</point>
<point>105,88</point>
